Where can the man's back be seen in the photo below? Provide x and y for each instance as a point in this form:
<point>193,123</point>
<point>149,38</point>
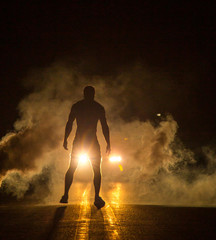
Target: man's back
<point>87,114</point>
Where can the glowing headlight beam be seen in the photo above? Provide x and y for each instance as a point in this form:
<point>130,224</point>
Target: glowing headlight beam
<point>115,159</point>
<point>83,158</point>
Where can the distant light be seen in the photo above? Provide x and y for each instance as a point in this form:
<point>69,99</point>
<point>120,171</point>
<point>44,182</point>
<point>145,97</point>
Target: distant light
<point>115,159</point>
<point>125,139</point>
<point>159,114</point>
<point>83,158</point>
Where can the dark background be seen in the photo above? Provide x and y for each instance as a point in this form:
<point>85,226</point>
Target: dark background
<point>176,39</point>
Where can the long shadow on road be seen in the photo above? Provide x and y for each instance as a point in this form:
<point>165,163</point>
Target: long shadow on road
<point>59,214</point>
<point>96,228</point>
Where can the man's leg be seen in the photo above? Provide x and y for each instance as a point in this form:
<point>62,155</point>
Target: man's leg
<point>97,179</point>
<point>99,202</point>
<point>69,179</point>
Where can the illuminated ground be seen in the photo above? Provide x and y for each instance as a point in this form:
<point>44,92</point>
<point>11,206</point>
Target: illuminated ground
<point>115,221</point>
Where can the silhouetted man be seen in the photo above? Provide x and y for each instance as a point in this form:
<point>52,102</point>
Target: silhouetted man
<point>87,112</point>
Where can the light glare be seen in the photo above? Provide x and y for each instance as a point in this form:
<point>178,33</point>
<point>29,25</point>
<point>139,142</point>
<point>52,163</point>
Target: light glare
<point>83,158</point>
<point>115,159</point>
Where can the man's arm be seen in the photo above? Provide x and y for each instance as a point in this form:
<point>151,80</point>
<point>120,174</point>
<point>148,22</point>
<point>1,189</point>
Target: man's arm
<point>105,130</point>
<point>68,127</point>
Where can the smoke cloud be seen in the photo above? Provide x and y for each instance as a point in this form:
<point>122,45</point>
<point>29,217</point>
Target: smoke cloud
<point>156,164</point>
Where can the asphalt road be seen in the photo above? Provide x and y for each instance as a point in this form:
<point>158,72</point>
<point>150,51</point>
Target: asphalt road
<point>114,221</point>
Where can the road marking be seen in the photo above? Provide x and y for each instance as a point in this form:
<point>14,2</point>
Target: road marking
<point>82,229</point>
<point>111,225</point>
<point>110,222</point>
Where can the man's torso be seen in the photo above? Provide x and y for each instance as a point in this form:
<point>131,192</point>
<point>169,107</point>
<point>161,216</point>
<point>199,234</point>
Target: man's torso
<point>87,115</point>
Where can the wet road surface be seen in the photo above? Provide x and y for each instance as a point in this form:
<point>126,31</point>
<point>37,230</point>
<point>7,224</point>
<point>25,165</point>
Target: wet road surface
<point>114,221</point>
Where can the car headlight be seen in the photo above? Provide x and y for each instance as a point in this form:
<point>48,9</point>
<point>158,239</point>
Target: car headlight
<point>115,159</point>
<point>83,158</point>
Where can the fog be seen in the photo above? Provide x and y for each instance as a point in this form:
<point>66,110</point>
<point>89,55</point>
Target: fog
<point>157,167</point>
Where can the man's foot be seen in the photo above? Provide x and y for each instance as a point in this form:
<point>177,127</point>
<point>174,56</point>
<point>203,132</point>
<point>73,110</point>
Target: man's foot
<point>99,202</point>
<point>64,199</point>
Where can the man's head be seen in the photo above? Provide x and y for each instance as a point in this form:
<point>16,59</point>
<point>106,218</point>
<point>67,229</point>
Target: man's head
<point>89,93</point>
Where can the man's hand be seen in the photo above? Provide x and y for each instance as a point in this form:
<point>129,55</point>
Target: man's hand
<point>108,149</point>
<point>65,145</point>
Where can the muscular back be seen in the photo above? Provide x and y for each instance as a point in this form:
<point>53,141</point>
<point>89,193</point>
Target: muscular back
<point>87,114</point>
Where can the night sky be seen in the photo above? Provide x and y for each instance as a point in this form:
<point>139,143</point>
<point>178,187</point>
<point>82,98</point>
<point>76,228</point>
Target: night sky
<point>176,40</point>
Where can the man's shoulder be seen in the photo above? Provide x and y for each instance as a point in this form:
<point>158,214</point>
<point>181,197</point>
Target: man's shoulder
<point>98,105</point>
<point>77,104</point>
<point>82,104</point>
